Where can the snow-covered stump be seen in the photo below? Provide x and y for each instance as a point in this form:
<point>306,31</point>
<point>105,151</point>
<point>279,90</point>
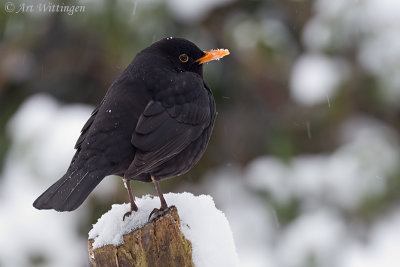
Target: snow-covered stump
<point>193,232</point>
<point>158,243</point>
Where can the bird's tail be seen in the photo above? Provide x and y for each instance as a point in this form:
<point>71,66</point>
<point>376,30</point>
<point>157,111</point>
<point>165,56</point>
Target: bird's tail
<point>69,191</point>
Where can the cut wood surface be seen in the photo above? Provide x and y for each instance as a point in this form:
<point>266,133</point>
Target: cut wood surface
<point>158,243</point>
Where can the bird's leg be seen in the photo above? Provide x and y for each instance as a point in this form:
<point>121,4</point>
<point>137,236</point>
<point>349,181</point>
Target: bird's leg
<point>158,212</point>
<point>133,205</point>
<point>164,205</point>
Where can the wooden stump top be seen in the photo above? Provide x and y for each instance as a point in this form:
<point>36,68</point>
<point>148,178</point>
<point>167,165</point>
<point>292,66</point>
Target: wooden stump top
<point>158,243</point>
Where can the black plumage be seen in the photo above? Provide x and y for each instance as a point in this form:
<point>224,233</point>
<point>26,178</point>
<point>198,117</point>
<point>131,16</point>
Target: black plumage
<point>154,122</point>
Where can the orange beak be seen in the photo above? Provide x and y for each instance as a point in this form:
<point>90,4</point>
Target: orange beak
<point>213,55</point>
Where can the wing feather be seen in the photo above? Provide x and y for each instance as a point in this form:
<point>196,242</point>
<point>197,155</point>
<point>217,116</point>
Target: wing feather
<point>164,129</point>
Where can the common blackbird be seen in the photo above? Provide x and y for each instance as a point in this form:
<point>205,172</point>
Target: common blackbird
<point>154,122</point>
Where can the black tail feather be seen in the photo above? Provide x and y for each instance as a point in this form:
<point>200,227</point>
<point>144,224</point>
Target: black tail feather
<point>69,191</point>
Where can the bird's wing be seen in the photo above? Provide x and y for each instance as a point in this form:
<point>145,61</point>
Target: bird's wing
<point>84,132</point>
<point>86,127</point>
<point>169,123</point>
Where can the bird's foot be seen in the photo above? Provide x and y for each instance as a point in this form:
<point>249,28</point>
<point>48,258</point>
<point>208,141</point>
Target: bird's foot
<point>157,213</point>
<point>133,204</point>
<point>127,215</point>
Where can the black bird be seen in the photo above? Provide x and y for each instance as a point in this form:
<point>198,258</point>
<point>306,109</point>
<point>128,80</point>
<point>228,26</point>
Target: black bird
<point>154,122</point>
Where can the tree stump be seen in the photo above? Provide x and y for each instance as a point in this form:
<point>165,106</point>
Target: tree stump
<point>158,243</point>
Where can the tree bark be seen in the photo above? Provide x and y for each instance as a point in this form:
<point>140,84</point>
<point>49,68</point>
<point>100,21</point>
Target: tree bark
<point>158,243</point>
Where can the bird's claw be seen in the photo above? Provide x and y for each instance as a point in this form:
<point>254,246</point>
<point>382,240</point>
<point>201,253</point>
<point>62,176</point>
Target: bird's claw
<point>127,215</point>
<point>156,213</point>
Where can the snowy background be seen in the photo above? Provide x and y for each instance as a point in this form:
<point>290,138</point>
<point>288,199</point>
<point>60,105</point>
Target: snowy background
<point>304,158</point>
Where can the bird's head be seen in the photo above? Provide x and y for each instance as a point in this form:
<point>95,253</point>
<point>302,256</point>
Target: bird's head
<point>184,55</point>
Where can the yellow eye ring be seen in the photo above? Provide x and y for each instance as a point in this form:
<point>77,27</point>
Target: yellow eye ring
<point>184,58</point>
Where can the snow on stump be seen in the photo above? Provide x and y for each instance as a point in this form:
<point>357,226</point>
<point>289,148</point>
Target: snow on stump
<point>159,243</point>
<point>193,232</point>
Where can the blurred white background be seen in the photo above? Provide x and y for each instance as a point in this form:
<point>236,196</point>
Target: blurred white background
<point>304,160</point>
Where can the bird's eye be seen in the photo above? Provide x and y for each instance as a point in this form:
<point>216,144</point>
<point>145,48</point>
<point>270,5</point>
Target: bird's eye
<point>184,58</point>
